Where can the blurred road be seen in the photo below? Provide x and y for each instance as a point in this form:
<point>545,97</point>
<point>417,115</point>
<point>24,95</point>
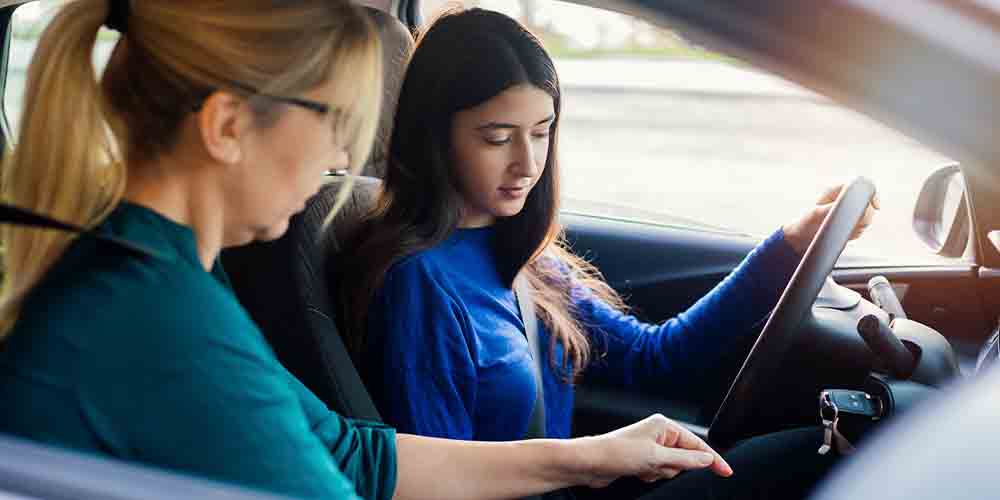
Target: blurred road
<point>730,147</point>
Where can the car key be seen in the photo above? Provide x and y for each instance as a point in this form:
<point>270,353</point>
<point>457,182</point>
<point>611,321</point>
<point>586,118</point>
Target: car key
<point>854,402</point>
<point>828,426</point>
<point>833,403</point>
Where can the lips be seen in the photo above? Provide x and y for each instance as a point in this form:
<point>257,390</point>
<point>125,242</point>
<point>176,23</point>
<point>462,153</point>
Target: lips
<point>514,191</point>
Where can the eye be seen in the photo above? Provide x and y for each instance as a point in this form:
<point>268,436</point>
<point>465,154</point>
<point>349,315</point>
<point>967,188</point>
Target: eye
<point>496,141</point>
<point>540,134</point>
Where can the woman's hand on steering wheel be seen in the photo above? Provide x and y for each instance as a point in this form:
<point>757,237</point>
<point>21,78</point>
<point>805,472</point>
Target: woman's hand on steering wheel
<point>799,234</point>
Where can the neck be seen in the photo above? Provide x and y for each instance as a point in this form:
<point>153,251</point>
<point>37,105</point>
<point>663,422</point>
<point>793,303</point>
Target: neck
<point>471,219</point>
<point>475,224</point>
<point>173,189</point>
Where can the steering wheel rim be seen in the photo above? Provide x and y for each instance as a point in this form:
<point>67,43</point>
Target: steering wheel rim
<point>794,306</point>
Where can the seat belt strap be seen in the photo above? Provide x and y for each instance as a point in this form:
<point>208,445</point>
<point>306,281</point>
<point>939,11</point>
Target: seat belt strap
<point>525,302</point>
<point>17,216</point>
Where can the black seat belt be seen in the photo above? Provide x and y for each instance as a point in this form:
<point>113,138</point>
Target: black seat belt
<point>526,303</point>
<point>10,214</point>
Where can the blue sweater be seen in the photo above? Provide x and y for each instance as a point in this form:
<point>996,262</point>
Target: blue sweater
<point>447,355</point>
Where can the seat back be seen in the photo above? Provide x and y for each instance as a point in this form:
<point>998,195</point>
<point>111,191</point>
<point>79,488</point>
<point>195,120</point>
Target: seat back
<point>282,283</point>
<point>397,45</point>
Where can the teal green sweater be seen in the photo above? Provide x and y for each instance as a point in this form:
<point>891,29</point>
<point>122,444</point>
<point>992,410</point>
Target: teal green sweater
<point>153,360</point>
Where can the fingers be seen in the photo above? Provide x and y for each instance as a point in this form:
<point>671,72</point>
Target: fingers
<point>679,459</point>
<point>830,195</point>
<point>678,438</point>
<point>663,473</point>
<point>654,477</point>
<point>821,212</point>
<point>721,467</point>
<point>866,219</point>
<point>679,449</point>
<point>863,224</point>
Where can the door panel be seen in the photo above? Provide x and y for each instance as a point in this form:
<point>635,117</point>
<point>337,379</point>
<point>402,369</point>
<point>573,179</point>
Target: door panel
<point>989,292</point>
<point>660,270</point>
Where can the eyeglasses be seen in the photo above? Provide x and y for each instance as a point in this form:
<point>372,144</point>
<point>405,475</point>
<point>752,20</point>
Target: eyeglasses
<point>314,106</point>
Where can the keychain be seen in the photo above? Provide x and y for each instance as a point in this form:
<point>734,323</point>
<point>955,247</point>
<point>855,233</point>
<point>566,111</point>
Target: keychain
<point>833,403</point>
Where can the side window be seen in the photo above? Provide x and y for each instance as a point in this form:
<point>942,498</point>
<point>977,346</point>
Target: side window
<point>28,22</point>
<point>659,129</point>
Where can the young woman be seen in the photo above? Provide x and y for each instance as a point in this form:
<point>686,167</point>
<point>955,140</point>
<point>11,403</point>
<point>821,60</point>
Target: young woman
<point>469,205</point>
<point>211,125</point>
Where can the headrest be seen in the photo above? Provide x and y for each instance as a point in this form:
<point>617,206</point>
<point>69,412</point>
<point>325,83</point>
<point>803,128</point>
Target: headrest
<point>282,284</point>
<point>359,202</point>
<point>397,45</point>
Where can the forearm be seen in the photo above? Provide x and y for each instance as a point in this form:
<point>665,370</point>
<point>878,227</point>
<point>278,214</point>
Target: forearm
<point>638,354</point>
<point>443,469</point>
<point>743,297</point>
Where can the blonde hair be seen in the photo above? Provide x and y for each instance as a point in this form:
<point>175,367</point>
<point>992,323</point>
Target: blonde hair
<point>78,134</point>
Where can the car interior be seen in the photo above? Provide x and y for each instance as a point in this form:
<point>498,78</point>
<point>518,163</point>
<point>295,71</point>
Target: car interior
<point>816,340</point>
<point>661,270</point>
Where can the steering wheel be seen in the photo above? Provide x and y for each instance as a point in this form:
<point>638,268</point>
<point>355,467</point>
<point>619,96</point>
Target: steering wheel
<point>734,419</point>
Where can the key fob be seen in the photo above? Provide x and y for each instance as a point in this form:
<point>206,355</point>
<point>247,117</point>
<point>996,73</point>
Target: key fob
<point>852,402</point>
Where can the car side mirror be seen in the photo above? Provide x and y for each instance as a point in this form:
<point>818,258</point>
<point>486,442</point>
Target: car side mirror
<point>941,217</point>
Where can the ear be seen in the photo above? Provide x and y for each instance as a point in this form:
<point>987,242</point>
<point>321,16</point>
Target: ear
<point>223,122</point>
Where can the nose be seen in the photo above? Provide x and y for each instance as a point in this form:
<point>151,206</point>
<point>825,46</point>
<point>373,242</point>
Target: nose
<point>524,160</point>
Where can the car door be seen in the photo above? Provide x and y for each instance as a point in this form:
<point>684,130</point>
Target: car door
<point>31,471</point>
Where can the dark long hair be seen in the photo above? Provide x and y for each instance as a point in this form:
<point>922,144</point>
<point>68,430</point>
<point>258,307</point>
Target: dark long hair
<point>463,60</point>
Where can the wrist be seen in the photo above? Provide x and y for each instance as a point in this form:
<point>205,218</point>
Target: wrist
<point>588,459</point>
<point>552,463</point>
<point>797,234</point>
<point>571,459</point>
<point>790,233</point>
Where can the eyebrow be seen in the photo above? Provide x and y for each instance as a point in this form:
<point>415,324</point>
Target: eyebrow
<point>499,125</point>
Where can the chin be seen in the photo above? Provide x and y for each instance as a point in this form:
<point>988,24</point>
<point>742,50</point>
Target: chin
<point>509,210</point>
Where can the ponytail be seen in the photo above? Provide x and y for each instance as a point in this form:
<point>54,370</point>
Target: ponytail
<point>66,161</point>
